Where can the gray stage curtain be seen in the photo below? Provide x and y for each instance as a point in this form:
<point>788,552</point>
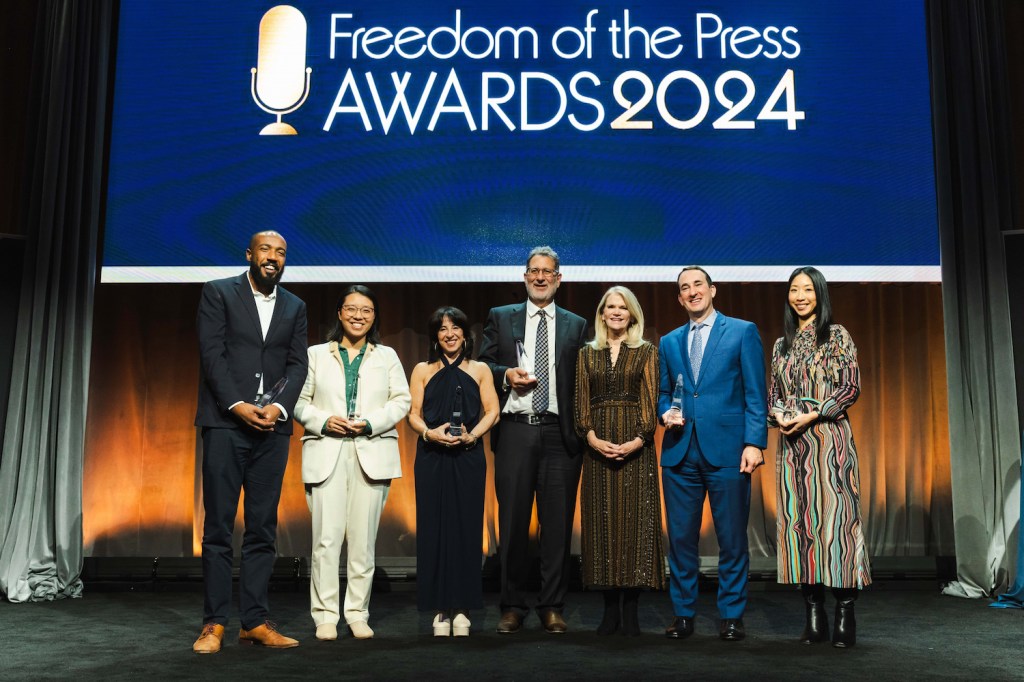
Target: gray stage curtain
<point>974,175</point>
<point>41,465</point>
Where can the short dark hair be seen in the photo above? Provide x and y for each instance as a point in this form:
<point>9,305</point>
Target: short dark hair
<point>337,332</point>
<point>458,318</point>
<point>694,267</point>
<point>822,310</point>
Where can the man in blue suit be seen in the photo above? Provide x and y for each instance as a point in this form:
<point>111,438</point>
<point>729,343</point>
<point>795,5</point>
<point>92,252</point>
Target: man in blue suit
<point>710,447</point>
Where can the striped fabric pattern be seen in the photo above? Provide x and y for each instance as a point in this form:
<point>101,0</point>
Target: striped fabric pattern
<point>820,526</point>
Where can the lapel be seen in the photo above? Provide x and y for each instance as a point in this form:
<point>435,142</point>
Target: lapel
<point>684,353</point>
<point>248,303</point>
<point>561,331</point>
<point>518,320</point>
<point>335,351</point>
<point>275,319</point>
<point>714,336</point>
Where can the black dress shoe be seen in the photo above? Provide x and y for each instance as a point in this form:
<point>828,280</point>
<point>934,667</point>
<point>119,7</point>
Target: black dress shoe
<point>732,630</point>
<point>681,628</point>
<point>510,622</point>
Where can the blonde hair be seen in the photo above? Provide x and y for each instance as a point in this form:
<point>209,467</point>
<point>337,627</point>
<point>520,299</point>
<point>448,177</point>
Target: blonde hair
<point>635,332</point>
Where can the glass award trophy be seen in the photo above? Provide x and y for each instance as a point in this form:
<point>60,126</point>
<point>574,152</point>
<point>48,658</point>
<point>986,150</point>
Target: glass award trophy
<point>455,424</point>
<point>791,408</point>
<point>676,409</point>
<point>353,409</point>
<point>523,360</point>
<point>270,396</point>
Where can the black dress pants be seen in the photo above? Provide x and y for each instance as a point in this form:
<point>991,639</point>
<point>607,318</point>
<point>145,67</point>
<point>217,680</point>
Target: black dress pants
<point>531,461</point>
<point>236,460</point>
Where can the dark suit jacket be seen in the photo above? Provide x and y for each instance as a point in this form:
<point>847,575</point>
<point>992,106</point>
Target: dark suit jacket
<point>233,355</point>
<point>727,404</point>
<point>504,326</point>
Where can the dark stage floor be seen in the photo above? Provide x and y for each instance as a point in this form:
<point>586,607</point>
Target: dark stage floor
<point>905,631</point>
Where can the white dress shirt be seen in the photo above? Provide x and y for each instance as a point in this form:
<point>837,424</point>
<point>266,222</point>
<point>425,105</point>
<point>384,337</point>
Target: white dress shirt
<point>523,404</point>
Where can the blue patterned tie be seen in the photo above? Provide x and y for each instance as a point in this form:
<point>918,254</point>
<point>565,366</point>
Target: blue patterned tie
<point>540,366</point>
<point>696,351</point>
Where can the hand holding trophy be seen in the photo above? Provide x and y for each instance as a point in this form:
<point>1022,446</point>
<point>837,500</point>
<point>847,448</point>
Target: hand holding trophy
<point>676,415</point>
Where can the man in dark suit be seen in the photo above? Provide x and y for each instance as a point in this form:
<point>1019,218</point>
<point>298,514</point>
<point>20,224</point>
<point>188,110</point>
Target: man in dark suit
<point>537,452</point>
<point>710,447</point>
<point>252,334</point>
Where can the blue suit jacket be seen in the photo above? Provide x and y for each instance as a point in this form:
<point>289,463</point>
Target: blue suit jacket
<point>726,405</point>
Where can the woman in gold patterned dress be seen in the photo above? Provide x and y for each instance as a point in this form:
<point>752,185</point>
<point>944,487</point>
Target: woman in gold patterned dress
<point>815,380</point>
<point>616,404</point>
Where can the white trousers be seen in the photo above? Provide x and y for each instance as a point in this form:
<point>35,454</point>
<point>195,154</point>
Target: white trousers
<point>345,506</point>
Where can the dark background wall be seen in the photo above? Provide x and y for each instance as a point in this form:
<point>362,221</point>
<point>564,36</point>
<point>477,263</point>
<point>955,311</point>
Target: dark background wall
<point>1015,240</point>
<point>16,47</point>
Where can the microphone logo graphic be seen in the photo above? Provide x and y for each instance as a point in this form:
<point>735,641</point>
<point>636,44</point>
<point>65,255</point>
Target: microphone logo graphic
<point>283,77</point>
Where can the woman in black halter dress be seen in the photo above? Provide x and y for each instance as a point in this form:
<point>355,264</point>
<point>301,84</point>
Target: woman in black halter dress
<point>450,472</point>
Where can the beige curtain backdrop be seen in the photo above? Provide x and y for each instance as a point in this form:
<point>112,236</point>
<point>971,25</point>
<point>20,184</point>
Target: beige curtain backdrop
<point>141,466</point>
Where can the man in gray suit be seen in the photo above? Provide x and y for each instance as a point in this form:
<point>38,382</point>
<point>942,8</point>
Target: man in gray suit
<point>537,452</point>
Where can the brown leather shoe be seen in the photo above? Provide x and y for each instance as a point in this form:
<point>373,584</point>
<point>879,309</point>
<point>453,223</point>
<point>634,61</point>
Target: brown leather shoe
<point>553,622</point>
<point>209,639</point>
<point>510,622</point>
<point>266,635</point>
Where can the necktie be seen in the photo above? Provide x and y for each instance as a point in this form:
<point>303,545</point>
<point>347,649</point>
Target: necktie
<point>540,367</point>
<point>696,352</point>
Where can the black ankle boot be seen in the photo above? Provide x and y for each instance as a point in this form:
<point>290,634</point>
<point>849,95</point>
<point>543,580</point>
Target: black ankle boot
<point>816,626</point>
<point>612,615</point>
<point>845,633</point>
<point>630,617</point>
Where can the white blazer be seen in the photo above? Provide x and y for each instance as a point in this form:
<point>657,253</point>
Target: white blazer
<point>383,399</point>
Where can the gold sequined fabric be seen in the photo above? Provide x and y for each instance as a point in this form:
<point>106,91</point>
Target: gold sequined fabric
<point>621,501</point>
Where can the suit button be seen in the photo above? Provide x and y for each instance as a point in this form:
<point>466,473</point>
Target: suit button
<point>257,375</point>
<point>696,395</point>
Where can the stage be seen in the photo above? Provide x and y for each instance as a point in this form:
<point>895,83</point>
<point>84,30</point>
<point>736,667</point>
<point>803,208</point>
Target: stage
<point>906,630</point>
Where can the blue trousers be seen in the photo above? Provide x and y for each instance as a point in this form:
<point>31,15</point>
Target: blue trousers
<point>728,491</point>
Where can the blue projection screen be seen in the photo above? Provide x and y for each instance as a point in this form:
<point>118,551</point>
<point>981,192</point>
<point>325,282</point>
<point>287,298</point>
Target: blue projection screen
<point>429,141</point>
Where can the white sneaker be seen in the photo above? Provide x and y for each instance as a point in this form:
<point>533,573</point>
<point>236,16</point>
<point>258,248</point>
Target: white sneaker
<point>327,631</point>
<point>442,625</point>
<point>460,625</point>
<point>360,630</point>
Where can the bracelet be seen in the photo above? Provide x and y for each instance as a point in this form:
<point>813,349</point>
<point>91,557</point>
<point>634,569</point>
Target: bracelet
<point>424,435</point>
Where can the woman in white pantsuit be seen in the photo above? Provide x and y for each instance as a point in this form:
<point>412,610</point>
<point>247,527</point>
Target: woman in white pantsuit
<point>355,394</point>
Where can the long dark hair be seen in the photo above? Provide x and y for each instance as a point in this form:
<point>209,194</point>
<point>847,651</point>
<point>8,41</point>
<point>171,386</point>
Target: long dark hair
<point>337,332</point>
<point>458,318</point>
<point>822,309</point>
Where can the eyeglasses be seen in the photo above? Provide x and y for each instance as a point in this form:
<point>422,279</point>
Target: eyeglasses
<point>547,273</point>
<point>352,310</point>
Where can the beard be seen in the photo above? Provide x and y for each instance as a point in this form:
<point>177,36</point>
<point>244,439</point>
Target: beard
<point>262,280</point>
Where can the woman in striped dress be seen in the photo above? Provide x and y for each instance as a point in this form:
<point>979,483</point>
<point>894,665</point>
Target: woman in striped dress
<point>815,380</point>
